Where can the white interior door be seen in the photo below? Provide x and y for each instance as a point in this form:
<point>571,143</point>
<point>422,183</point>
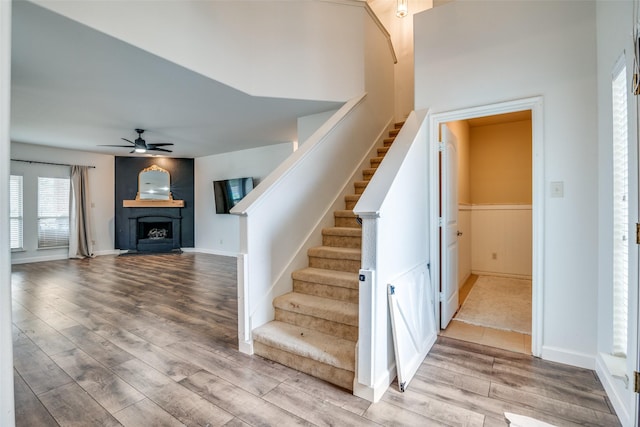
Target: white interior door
<point>448,227</point>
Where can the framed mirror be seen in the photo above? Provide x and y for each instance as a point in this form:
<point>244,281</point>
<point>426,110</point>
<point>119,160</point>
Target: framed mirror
<point>154,183</point>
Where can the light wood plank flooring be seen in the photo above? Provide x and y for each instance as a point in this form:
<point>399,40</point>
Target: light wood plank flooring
<point>151,341</point>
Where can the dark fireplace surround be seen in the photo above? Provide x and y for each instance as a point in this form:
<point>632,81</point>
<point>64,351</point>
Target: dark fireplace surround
<point>131,221</point>
<point>154,229</point>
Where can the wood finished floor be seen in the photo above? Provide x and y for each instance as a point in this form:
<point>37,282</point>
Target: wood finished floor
<point>151,341</point>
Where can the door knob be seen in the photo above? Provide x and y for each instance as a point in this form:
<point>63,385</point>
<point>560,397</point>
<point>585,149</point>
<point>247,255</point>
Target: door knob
<point>459,233</point>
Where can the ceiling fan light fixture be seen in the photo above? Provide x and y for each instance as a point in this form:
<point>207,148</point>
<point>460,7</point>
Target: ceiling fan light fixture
<point>140,150</point>
<point>402,8</point>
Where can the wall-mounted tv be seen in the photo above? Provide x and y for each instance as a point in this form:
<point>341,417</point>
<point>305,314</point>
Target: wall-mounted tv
<point>228,192</point>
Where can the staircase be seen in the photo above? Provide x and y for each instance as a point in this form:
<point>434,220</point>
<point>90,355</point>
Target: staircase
<point>316,326</point>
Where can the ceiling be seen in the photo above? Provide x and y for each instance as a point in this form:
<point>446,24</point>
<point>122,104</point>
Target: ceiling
<point>76,88</point>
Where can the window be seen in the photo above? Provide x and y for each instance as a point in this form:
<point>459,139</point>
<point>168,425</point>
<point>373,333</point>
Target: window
<point>620,210</point>
<point>15,211</point>
<point>53,212</point>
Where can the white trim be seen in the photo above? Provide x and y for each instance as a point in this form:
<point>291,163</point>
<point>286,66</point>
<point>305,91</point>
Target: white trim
<point>495,274</point>
<point>40,259</point>
<point>574,358</point>
<point>375,393</point>
<point>211,251</point>
<point>609,387</point>
<point>501,207</point>
<point>7,406</point>
<point>535,104</point>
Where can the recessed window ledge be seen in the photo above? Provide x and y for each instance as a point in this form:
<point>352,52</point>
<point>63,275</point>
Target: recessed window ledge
<point>616,366</point>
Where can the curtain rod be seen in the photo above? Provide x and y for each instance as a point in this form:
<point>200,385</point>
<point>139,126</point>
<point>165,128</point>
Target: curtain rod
<point>46,163</point>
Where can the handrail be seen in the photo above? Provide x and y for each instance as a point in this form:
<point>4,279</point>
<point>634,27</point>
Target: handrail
<point>395,237</point>
<point>370,202</point>
<point>272,181</point>
<point>376,20</point>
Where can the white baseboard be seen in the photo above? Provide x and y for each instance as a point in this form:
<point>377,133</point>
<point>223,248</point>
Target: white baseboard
<point>499,274</point>
<point>245,347</point>
<point>39,259</point>
<point>568,357</point>
<point>375,393</point>
<point>108,252</point>
<point>211,251</point>
<point>610,387</point>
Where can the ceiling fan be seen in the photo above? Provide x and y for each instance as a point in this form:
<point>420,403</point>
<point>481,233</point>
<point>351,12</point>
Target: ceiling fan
<point>140,145</point>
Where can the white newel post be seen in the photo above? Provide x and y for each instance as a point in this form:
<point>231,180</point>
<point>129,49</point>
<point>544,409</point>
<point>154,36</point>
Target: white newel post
<point>370,303</point>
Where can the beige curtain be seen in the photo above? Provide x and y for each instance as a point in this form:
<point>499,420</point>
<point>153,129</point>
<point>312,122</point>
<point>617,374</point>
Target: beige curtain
<point>80,232</point>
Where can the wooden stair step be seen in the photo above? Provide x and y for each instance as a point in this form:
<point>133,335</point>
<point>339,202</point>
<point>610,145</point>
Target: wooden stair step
<point>330,258</point>
<point>326,315</point>
<point>322,308</point>
<point>398,125</point>
<point>368,173</point>
<point>340,279</point>
<point>375,161</point>
<point>350,200</point>
<point>345,218</point>
<point>320,355</point>
<point>388,141</point>
<point>360,186</point>
<point>394,132</point>
<point>332,284</point>
<point>383,151</point>
<point>342,237</point>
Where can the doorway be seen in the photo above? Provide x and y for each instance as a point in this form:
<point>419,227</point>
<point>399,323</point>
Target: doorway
<point>502,250</point>
<point>493,230</point>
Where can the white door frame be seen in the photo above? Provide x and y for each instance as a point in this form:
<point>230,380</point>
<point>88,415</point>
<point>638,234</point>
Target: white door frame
<point>535,105</point>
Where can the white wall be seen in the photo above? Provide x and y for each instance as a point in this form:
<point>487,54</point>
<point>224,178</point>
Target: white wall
<point>101,183</point>
<point>471,53</point>
<point>401,30</point>
<point>307,125</point>
<point>614,24</point>
<point>503,231</point>
<point>283,49</point>
<point>220,233</point>
<point>7,408</point>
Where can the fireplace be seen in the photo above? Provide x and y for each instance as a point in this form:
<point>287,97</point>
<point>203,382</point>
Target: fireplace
<point>154,230</point>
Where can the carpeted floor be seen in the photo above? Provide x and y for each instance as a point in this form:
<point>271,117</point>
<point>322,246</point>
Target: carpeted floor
<point>499,303</point>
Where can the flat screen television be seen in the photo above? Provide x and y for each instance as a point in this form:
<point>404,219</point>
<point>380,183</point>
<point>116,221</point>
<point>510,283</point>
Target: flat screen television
<point>228,192</point>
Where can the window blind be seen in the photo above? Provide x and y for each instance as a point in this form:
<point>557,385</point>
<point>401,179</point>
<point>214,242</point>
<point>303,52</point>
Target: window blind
<point>15,211</point>
<point>620,211</point>
<point>53,212</point>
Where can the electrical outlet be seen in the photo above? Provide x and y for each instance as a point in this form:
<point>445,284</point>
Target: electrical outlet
<point>494,255</point>
<point>557,189</point>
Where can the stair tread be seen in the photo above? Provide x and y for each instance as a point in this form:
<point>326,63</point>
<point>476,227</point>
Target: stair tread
<point>335,253</point>
<point>342,231</point>
<point>344,213</point>
<point>320,307</point>
<point>323,276</point>
<point>352,196</point>
<point>307,343</point>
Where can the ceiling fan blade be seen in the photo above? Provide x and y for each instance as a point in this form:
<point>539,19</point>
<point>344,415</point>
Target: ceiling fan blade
<point>125,139</point>
<point>107,145</point>
<point>159,149</point>
<point>162,144</point>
